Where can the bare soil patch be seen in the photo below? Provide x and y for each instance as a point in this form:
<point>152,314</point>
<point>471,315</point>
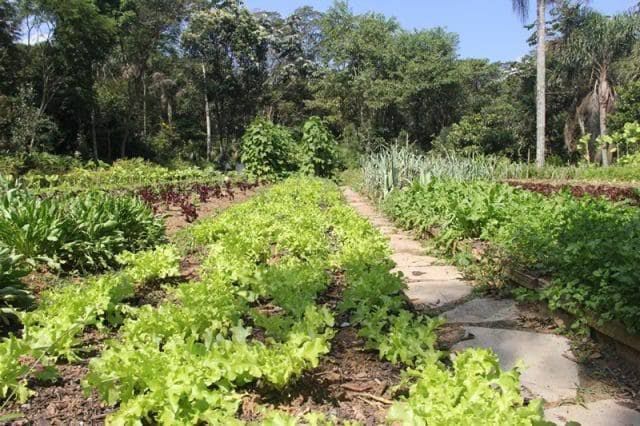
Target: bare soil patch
<point>612,192</point>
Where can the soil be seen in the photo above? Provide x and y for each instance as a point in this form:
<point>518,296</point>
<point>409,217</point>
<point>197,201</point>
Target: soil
<point>350,383</point>
<point>612,192</point>
<point>63,402</point>
<point>175,220</point>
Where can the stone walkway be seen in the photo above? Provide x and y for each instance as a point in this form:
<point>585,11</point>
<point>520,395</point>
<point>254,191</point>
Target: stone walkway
<point>550,373</point>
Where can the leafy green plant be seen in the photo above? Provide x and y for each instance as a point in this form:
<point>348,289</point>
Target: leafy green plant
<point>317,148</point>
<point>475,391</point>
<point>83,232</point>
<point>267,150</point>
<point>589,246</point>
<point>13,294</point>
<point>52,330</point>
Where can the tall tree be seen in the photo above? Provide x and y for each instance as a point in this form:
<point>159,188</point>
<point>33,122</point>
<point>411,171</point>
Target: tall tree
<point>229,45</point>
<point>8,49</point>
<point>522,8</point>
<point>597,45</point>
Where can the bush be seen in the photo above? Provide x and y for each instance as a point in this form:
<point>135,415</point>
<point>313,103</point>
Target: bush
<point>268,150</point>
<point>37,162</point>
<point>317,149</point>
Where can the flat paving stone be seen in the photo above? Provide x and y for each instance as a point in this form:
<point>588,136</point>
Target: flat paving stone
<point>432,273</point>
<point>408,260</point>
<point>406,246</point>
<point>600,413</point>
<point>548,374</point>
<point>434,294</point>
<point>483,310</point>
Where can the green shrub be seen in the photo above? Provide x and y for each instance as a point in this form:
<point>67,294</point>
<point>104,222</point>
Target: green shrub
<point>317,149</point>
<point>267,150</point>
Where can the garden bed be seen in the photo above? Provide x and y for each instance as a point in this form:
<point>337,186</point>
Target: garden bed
<point>613,192</point>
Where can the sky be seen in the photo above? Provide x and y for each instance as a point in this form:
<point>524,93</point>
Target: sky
<point>487,28</point>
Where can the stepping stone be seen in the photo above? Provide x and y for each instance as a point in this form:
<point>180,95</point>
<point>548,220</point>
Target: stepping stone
<point>406,245</point>
<point>407,260</point>
<point>600,413</point>
<point>431,273</point>
<point>434,294</point>
<point>483,310</point>
<point>548,374</point>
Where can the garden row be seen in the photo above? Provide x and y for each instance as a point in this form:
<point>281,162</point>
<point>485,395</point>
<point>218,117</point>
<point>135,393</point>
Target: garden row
<point>588,248</point>
<point>630,194</point>
<point>256,320</point>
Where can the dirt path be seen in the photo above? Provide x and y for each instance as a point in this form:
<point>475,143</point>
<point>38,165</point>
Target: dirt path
<point>551,372</point>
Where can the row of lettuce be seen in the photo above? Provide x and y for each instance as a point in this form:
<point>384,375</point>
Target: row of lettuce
<point>588,247</point>
<point>253,321</point>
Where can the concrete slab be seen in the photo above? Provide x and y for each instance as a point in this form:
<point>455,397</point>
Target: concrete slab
<point>402,245</point>
<point>548,374</point>
<point>483,310</point>
<point>434,294</point>
<point>600,413</point>
<point>431,273</point>
<point>407,260</point>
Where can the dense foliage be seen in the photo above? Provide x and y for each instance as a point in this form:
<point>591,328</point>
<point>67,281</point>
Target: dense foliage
<point>317,148</point>
<point>588,246</point>
<point>268,150</point>
<point>184,80</point>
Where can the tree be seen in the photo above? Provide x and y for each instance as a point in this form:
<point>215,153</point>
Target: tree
<point>8,49</point>
<point>145,27</point>
<point>522,8</point>
<point>597,45</point>
<point>229,45</point>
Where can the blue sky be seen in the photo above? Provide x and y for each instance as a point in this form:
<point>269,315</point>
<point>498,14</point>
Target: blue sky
<point>487,28</point>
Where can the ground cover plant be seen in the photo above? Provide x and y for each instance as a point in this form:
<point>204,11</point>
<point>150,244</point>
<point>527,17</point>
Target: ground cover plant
<point>84,232</point>
<point>66,234</point>
<point>588,246</point>
<point>130,174</point>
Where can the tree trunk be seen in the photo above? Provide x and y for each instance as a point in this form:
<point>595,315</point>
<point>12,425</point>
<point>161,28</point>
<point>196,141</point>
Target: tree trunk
<point>125,139</point>
<point>206,112</point>
<point>144,108</point>
<point>603,99</point>
<point>541,85</point>
<point>109,148</point>
<point>94,139</point>
<point>169,112</point>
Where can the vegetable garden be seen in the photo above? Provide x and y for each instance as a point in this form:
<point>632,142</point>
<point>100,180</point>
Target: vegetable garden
<point>281,274</point>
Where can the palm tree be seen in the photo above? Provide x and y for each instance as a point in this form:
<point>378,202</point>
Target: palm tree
<point>521,7</point>
<point>597,45</point>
